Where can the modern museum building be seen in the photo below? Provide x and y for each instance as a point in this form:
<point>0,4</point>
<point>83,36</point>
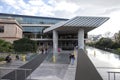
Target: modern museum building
<point>49,31</point>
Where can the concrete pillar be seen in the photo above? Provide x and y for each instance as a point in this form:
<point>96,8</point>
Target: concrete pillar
<point>55,45</point>
<point>41,37</point>
<point>81,39</point>
<point>35,35</point>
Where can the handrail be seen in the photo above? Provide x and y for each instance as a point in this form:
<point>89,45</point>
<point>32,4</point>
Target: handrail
<point>114,72</point>
<point>110,72</point>
<point>14,68</point>
<point>107,68</point>
<point>6,68</point>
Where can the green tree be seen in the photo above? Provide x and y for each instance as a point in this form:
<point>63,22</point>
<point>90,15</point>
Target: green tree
<point>25,45</point>
<point>105,43</point>
<point>117,37</point>
<point>117,41</point>
<point>5,46</point>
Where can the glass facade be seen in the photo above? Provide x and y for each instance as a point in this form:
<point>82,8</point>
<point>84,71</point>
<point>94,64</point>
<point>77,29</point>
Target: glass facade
<point>22,19</point>
<point>33,29</point>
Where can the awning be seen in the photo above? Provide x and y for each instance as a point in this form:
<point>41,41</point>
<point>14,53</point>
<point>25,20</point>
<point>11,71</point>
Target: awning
<point>73,25</point>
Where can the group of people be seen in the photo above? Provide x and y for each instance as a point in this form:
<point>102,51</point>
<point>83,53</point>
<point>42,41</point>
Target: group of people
<point>44,50</point>
<point>8,58</point>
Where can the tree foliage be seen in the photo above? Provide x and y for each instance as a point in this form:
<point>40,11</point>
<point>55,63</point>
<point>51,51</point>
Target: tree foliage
<point>5,46</point>
<point>108,44</point>
<point>105,43</point>
<point>117,37</point>
<point>25,45</point>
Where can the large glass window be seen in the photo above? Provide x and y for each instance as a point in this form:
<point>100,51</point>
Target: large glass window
<point>33,19</point>
<point>1,29</point>
<point>33,29</point>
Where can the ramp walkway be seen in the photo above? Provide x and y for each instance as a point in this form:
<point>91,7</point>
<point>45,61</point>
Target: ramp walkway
<point>85,69</point>
<point>61,70</point>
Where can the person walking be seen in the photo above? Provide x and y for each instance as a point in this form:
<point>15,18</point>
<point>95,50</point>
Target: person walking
<point>17,57</point>
<point>72,59</point>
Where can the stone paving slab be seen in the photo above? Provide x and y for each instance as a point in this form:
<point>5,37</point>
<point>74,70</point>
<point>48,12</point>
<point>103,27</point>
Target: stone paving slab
<point>48,71</point>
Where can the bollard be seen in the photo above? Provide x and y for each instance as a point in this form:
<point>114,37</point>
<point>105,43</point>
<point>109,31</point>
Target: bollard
<point>54,58</point>
<point>94,53</point>
<point>23,58</point>
<point>74,53</point>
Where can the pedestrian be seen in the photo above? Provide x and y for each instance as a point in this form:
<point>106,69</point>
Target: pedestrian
<point>17,57</point>
<point>8,58</point>
<point>42,50</point>
<point>46,50</point>
<point>72,58</point>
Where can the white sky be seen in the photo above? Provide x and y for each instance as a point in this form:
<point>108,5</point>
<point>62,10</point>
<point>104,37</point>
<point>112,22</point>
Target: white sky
<point>68,9</point>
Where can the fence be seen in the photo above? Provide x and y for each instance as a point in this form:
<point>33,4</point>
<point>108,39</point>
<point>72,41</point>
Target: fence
<point>21,74</point>
<point>15,71</point>
<point>111,73</point>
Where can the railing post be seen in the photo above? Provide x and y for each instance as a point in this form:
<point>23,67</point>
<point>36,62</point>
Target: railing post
<point>30,73</point>
<point>114,75</point>
<point>108,76</point>
<point>15,74</point>
<point>25,73</point>
<point>0,75</point>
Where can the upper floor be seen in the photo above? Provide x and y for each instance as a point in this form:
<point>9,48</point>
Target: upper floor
<point>25,19</point>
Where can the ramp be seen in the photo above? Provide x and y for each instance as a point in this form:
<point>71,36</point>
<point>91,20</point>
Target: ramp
<point>85,69</point>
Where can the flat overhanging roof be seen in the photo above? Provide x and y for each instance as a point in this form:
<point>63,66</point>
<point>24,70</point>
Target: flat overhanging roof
<point>73,25</point>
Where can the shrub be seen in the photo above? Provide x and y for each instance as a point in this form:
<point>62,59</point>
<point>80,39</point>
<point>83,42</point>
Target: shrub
<point>2,59</point>
<point>5,46</point>
<point>118,50</point>
<point>25,45</point>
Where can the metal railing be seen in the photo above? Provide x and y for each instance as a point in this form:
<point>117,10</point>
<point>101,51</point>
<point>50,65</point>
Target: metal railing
<point>15,70</point>
<point>111,71</point>
<point>114,73</point>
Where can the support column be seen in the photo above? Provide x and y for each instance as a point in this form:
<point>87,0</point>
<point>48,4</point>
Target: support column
<point>35,35</point>
<point>81,39</point>
<point>55,45</point>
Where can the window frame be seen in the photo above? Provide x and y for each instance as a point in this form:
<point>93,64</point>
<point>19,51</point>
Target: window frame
<point>1,29</point>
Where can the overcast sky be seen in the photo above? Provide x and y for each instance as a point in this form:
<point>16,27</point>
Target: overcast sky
<point>68,9</point>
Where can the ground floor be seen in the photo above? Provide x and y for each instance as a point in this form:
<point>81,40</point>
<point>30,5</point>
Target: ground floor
<point>63,44</point>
